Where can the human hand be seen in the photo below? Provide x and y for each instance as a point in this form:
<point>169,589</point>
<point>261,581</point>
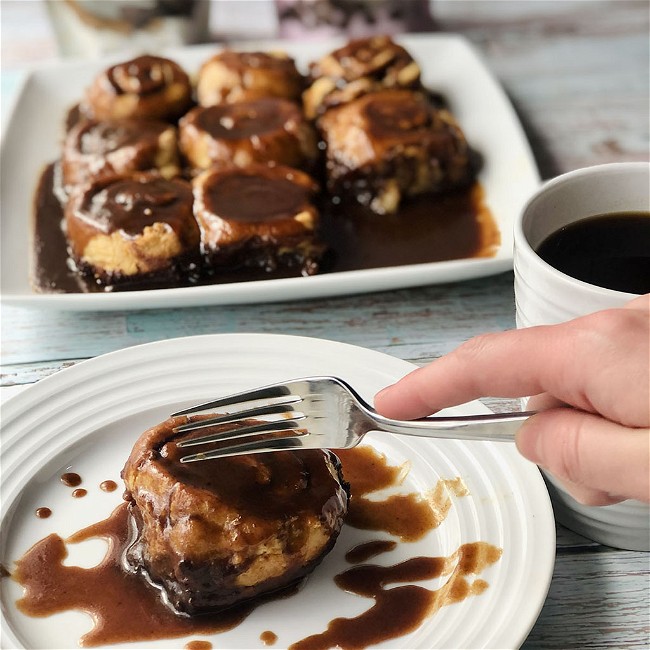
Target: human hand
<point>599,364</point>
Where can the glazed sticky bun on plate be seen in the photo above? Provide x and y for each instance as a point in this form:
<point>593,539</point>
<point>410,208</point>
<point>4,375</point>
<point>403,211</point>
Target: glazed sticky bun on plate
<point>218,533</point>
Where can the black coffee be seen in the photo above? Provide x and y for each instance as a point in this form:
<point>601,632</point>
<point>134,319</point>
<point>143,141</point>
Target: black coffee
<point>610,250</point>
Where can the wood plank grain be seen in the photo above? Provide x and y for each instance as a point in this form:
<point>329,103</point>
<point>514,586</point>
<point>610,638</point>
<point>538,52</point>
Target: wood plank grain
<point>414,324</point>
<point>597,599</point>
<point>576,72</point>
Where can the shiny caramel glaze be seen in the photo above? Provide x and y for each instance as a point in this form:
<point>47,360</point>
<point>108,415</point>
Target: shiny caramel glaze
<point>365,56</point>
<point>245,119</point>
<point>123,606</point>
<point>108,486</point>
<point>261,217</point>
<point>268,638</point>
<point>361,66</point>
<point>407,516</point>
<point>92,137</point>
<point>397,610</point>
<point>143,75</point>
<point>400,610</point>
<point>256,195</point>
<point>365,551</point>
<point>198,645</point>
<point>43,512</point>
<point>393,144</point>
<point>426,229</point>
<point>79,493</point>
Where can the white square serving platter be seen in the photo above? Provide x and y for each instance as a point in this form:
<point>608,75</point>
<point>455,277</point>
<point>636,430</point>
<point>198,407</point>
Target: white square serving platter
<point>32,139</point>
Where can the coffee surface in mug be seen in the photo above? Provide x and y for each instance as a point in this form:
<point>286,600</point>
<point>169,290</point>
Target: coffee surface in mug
<point>609,250</point>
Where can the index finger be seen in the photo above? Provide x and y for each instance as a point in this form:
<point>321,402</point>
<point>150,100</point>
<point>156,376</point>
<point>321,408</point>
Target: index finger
<point>488,365</point>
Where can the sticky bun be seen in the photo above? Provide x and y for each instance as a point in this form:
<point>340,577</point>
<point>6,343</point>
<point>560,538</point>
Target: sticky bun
<point>260,216</point>
<point>126,228</point>
<point>217,533</point>
<point>390,144</point>
<point>94,149</point>
<point>262,130</point>
<point>147,87</point>
<point>241,76</point>
<point>362,66</point>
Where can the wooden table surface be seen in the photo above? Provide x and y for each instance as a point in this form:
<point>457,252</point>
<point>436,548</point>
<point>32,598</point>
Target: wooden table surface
<point>577,74</point>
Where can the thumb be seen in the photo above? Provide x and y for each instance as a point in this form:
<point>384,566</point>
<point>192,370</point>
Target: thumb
<point>598,461</point>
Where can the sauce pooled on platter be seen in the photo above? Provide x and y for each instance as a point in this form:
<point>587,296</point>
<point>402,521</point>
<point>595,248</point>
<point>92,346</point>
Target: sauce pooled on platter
<point>427,228</point>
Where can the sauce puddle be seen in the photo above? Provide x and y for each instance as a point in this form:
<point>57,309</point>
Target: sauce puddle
<point>126,608</point>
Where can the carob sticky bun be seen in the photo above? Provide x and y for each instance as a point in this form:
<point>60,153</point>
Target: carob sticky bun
<point>217,533</point>
<point>390,144</point>
<point>241,76</point>
<point>128,228</point>
<point>362,66</point>
<point>263,130</point>
<point>260,216</point>
<point>95,149</point>
<point>147,87</point>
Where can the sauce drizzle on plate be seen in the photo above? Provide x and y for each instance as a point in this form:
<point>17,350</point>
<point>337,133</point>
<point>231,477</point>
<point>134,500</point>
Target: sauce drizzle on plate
<point>126,608</point>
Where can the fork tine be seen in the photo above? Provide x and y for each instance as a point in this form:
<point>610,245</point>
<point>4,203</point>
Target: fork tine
<point>267,392</point>
<point>267,409</point>
<point>262,446</point>
<point>264,427</point>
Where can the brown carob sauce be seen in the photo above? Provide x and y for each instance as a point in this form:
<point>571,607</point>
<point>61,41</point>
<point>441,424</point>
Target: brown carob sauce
<point>108,486</point>
<point>71,479</point>
<point>126,608</point>
<point>268,637</point>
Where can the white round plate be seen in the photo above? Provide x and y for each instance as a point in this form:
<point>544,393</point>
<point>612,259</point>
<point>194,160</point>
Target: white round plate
<point>85,419</point>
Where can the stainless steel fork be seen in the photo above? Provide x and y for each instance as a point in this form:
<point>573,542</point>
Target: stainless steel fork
<point>323,413</point>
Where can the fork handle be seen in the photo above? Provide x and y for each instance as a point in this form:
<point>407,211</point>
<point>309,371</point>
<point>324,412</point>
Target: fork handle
<point>493,427</point>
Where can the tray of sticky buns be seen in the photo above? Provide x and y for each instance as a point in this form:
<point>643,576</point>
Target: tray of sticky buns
<point>255,174</point>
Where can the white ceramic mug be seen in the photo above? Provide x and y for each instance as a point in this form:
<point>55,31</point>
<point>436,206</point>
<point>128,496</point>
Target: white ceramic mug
<point>545,296</point>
